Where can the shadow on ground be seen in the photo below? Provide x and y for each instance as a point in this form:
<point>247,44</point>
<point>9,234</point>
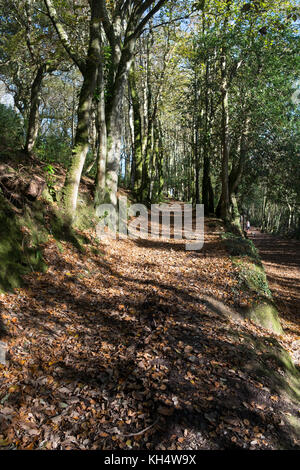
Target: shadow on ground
<point>100,356</point>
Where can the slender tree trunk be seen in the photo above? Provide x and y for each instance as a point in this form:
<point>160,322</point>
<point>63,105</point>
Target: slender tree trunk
<point>290,216</point>
<point>152,162</point>
<point>148,122</point>
<point>145,184</point>
<point>81,144</point>
<point>73,124</point>
<point>206,183</point>
<point>207,189</point>
<point>223,206</point>
<point>160,156</point>
<point>114,120</point>
<point>93,141</point>
<point>102,136</point>
<point>137,156</point>
<point>33,121</point>
<point>237,170</point>
<point>196,153</point>
<point>114,135</point>
<point>211,200</point>
<point>131,129</point>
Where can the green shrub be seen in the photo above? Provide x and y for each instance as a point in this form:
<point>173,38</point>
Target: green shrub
<point>53,148</point>
<point>11,128</point>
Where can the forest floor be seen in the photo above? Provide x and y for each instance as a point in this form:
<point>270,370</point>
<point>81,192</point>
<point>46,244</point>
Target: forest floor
<point>137,347</point>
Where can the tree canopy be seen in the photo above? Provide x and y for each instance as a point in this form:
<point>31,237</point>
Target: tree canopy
<point>193,100</point>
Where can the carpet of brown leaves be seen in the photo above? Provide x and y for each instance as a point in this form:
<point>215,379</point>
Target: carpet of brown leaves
<point>124,349</point>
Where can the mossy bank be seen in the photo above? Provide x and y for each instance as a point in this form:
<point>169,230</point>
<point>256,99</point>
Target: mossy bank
<point>252,278</point>
<point>24,233</point>
<point>275,363</point>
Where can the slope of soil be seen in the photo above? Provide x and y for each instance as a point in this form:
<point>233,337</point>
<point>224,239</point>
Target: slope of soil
<point>138,344</point>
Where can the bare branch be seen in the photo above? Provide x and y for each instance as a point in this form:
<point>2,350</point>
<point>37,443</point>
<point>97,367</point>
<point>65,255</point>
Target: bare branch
<point>139,29</point>
<point>165,23</point>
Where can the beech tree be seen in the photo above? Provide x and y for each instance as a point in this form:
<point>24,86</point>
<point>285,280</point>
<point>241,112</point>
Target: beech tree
<point>167,99</point>
<point>122,22</point>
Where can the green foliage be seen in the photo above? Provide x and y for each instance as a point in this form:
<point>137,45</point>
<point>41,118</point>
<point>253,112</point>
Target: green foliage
<point>50,180</point>
<point>11,130</point>
<point>49,169</point>
<point>53,148</point>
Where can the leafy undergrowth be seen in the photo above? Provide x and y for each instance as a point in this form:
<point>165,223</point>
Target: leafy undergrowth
<point>128,345</point>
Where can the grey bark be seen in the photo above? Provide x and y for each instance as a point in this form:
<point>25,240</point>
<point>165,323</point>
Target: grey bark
<point>33,120</point>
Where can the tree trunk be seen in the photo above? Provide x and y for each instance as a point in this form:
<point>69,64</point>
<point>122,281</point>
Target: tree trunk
<point>145,184</point>
<point>114,134</point>
<point>197,161</point>
<point>159,160</point>
<point>237,170</point>
<point>207,190</point>
<point>93,141</point>
<point>114,120</point>
<point>81,144</point>
<point>137,157</point>
<point>223,206</point>
<point>102,136</point>
<point>33,121</point>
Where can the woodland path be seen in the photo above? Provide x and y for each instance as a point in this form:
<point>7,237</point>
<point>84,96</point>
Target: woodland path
<point>281,260</point>
<point>131,347</point>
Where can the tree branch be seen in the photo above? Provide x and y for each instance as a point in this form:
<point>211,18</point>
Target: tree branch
<point>165,23</point>
<point>62,34</point>
<point>107,25</point>
<point>139,29</point>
